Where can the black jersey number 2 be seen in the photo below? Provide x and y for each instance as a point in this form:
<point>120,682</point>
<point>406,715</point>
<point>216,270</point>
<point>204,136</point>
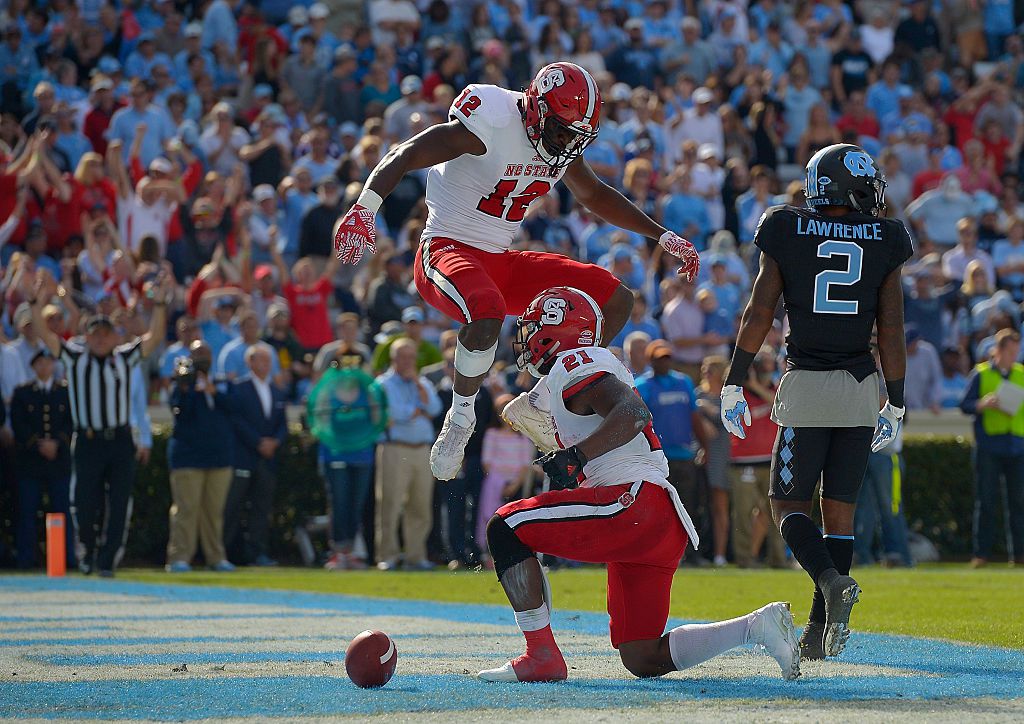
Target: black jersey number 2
<point>823,281</point>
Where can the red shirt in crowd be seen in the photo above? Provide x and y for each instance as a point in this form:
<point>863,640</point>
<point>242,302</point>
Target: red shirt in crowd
<point>95,126</point>
<point>961,124</point>
<point>927,180</point>
<point>309,312</point>
<point>866,125</point>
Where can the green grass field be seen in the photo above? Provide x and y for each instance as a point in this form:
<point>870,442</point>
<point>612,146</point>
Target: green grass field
<point>947,601</point>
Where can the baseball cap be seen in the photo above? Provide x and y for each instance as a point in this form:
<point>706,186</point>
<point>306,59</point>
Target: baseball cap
<point>22,315</point>
<point>194,30</point>
<point>277,310</point>
<point>435,42</point>
<point>203,206</point>
<point>161,165</point>
<point>225,302</point>
<point>262,90</point>
<point>263,271</point>
<point>703,95</point>
<point>621,92</point>
<point>42,352</point>
<point>706,151</point>
<point>318,11</point>
<point>659,349</point>
<point>344,52</point>
<point>35,228</point>
<point>109,65</point>
<point>690,22</point>
<point>411,84</point>
<point>298,15</point>
<point>263,192</point>
<point>98,320</point>
<point>387,331</point>
<point>145,37</point>
<point>101,82</point>
<point>348,128</point>
<point>634,24</point>
<point>621,252</point>
<point>412,314</point>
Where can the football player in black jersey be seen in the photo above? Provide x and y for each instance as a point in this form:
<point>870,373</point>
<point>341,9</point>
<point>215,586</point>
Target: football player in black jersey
<point>837,267</point>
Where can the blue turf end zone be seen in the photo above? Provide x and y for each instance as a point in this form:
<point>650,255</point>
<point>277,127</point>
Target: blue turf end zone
<point>937,669</point>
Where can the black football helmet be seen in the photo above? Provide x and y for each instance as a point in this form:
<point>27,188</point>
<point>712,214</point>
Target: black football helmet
<point>845,175</point>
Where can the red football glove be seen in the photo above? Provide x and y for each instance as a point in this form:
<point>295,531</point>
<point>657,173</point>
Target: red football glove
<point>683,250</point>
<point>357,233</point>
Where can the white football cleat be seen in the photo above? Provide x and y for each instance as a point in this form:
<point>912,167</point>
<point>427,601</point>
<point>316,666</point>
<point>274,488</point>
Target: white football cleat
<point>772,629</point>
<point>449,449</point>
<point>505,674</point>
<point>524,418</point>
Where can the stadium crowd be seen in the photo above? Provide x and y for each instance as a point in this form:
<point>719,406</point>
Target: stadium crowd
<point>216,144</point>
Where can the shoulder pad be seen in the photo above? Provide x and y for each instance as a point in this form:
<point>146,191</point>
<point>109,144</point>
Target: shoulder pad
<point>485,108</point>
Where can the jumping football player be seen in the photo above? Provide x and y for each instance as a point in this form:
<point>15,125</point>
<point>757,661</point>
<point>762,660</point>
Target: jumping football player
<point>500,151</point>
<point>624,512</point>
<point>837,266</point>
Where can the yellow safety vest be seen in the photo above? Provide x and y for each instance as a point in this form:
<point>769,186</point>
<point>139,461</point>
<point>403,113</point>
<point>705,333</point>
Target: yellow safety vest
<point>997,422</point>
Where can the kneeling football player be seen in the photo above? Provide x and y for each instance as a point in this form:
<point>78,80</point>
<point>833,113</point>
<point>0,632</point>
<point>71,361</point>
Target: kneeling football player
<point>614,505</point>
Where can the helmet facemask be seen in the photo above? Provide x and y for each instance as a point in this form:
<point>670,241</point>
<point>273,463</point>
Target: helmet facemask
<point>524,348</point>
<point>547,138</point>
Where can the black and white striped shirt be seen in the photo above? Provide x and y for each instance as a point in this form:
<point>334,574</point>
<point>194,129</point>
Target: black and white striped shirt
<point>100,389</point>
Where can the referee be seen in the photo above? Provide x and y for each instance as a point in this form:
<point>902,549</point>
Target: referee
<point>103,452</point>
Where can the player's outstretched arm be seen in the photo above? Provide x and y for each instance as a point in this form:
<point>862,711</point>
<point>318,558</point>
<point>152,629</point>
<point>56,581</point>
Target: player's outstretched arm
<point>611,206</point>
<point>356,232</point>
<point>757,320</point>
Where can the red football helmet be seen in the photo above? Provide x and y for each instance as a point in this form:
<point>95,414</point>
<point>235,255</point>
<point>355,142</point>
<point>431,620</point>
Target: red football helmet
<point>558,320</point>
<point>561,112</point>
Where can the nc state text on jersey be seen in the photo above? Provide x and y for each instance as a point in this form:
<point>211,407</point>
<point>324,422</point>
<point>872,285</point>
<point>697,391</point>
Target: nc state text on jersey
<point>838,230</point>
<point>540,170</point>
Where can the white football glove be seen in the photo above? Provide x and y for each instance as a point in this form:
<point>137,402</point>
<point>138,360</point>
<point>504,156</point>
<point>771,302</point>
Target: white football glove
<point>889,421</point>
<point>680,248</point>
<point>735,411</point>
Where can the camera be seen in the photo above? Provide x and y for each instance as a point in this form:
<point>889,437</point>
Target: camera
<point>185,371</point>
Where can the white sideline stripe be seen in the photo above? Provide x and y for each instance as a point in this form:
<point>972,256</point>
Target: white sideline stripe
<point>561,512</point>
<point>388,654</point>
<point>447,287</point>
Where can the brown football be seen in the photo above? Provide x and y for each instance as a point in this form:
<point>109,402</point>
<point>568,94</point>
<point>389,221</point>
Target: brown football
<point>370,659</point>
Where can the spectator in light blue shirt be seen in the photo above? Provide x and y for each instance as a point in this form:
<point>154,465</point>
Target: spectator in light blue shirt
<point>639,321</point>
<point>159,126</point>
<point>884,94</point>
<point>799,98</point>
<point>230,363</point>
<point>686,213</point>
<point>727,293</point>
<point>18,60</point>
<point>298,200</point>
<point>771,52</point>
<point>220,328</point>
<point>625,264</point>
<point>140,62</point>
<point>219,25</point>
<point>405,485</point>
<point>187,332</point>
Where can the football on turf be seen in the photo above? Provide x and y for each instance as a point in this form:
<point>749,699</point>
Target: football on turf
<point>370,659</point>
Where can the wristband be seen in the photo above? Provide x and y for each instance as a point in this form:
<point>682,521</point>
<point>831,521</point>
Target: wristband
<point>895,390</point>
<point>740,367</point>
<point>370,199</point>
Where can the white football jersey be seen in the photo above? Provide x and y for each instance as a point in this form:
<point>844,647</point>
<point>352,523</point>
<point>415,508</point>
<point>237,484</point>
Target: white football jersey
<point>481,200</point>
<point>640,459</point>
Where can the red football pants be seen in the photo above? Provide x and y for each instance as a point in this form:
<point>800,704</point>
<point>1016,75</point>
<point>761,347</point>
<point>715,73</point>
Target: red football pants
<point>467,283</point>
<point>633,528</point>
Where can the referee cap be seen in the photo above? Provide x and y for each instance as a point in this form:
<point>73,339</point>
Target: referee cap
<point>98,320</point>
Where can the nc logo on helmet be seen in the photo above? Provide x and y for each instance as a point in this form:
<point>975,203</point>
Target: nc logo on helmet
<point>552,79</point>
<point>554,311</point>
<point>859,163</point>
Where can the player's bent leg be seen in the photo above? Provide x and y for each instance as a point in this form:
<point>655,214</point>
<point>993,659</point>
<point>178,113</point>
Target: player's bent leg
<point>770,627</point>
<point>647,658</point>
<point>474,355</point>
<point>616,313</point>
<point>522,579</point>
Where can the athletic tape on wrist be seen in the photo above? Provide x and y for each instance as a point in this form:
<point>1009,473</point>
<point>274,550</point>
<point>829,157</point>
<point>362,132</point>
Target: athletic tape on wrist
<point>471,363</point>
<point>370,199</point>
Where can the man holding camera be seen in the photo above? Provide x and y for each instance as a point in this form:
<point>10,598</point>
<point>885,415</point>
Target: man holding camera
<point>99,387</point>
<point>199,455</point>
